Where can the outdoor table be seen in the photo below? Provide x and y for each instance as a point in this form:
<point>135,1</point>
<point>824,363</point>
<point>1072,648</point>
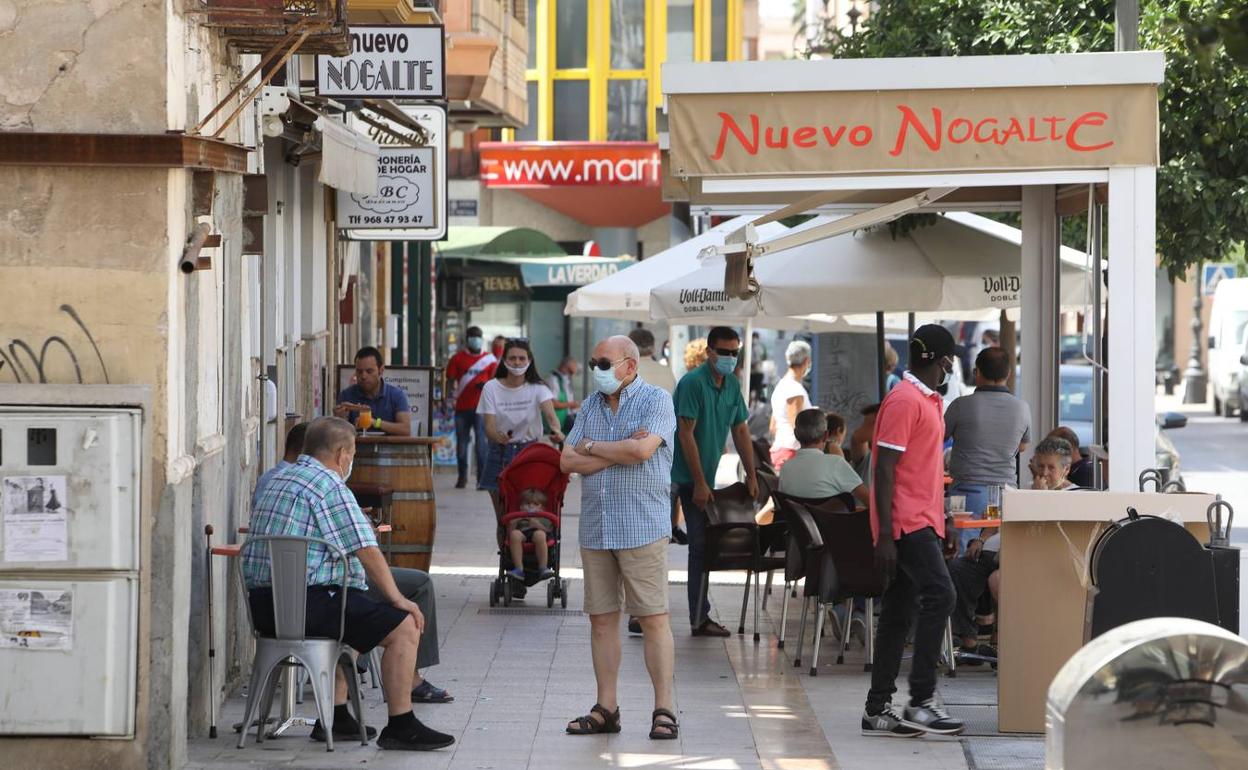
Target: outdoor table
<point>1046,539</point>
<point>404,465</point>
<point>976,523</point>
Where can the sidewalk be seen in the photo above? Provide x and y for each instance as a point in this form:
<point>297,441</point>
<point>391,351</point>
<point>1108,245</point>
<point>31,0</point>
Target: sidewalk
<point>519,674</point>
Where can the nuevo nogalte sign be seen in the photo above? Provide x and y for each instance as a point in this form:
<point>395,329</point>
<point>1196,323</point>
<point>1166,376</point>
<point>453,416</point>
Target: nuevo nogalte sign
<point>392,62</point>
<point>920,130</point>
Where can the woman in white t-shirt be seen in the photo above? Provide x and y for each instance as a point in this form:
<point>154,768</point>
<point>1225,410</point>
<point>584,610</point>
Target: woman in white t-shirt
<point>513,406</point>
<point>787,399</point>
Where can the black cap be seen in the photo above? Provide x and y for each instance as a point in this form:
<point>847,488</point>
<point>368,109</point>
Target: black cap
<point>931,342</point>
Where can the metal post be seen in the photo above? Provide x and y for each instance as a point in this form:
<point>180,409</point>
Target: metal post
<point>910,326</point>
<point>1195,379</point>
<point>880,342</point>
<point>1098,344</point>
<point>1126,25</point>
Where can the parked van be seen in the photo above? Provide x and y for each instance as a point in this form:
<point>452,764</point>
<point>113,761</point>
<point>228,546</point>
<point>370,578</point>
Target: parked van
<point>1228,320</point>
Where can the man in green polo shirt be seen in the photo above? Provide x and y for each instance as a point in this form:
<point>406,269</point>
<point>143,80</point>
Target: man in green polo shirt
<point>708,404</point>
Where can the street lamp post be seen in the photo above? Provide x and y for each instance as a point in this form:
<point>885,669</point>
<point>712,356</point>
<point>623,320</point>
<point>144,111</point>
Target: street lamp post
<point>1195,380</point>
<point>854,15</point>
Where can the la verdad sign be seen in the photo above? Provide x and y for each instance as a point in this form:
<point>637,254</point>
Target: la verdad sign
<point>390,62</point>
<point>919,130</point>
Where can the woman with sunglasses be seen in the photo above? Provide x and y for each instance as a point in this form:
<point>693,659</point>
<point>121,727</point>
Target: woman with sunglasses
<point>514,405</point>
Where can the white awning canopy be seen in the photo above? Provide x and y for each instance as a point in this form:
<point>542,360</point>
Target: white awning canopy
<point>348,160</point>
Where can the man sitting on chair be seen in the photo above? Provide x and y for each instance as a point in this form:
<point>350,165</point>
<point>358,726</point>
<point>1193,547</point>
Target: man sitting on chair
<point>813,473</point>
<point>310,499</point>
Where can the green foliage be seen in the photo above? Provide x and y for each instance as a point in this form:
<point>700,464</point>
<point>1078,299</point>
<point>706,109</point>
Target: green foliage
<point>1202,184</point>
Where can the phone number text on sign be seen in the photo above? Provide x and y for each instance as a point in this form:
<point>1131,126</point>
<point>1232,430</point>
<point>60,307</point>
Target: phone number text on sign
<point>405,192</point>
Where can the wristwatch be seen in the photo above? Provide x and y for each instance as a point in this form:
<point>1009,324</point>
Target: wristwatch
<point>589,447</point>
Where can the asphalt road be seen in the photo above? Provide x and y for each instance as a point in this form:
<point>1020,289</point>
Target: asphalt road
<point>1213,453</point>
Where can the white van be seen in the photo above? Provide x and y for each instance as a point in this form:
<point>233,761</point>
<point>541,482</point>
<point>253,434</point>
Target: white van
<point>1228,320</point>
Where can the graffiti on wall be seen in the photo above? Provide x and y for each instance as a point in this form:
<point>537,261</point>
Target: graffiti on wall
<point>33,363</point>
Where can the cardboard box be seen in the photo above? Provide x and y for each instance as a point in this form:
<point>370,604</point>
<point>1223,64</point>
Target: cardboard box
<point>1046,538</point>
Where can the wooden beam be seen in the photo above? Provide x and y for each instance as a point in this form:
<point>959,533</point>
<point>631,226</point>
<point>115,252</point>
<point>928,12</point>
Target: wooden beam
<point>121,150</point>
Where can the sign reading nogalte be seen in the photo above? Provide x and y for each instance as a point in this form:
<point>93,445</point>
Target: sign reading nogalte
<point>392,62</point>
<point>405,198</point>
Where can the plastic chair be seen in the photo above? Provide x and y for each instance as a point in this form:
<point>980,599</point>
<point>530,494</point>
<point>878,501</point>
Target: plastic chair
<point>288,561</point>
<point>795,558</point>
<point>805,546</point>
<point>848,542</point>
<point>732,543</point>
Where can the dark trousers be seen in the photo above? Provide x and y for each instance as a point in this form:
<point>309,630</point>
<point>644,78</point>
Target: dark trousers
<point>469,426</point>
<point>695,527</point>
<point>970,580</point>
<point>922,580</point>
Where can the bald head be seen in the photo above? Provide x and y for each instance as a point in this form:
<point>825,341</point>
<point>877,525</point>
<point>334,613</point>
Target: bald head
<point>617,347</point>
<point>619,355</point>
<point>331,440</point>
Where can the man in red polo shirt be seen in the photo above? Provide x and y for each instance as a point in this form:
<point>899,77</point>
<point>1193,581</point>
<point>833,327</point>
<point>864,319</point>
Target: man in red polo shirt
<point>908,522</point>
<point>466,374</point>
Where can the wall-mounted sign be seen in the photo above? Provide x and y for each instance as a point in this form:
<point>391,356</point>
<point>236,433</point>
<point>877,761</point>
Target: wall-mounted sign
<point>391,62</point>
<point>918,130</point>
<point>1213,273</point>
<point>570,164</point>
<point>410,202</point>
<point>570,271</point>
<point>418,382</point>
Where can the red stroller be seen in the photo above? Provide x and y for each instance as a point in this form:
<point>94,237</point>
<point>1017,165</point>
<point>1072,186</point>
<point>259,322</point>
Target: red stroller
<point>536,467</point>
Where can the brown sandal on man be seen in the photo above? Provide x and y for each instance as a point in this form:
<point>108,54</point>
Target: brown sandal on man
<point>711,628</point>
<point>664,731</point>
<point>587,725</point>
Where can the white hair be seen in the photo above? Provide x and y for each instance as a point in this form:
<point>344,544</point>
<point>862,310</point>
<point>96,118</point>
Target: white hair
<point>797,353</point>
<point>625,345</point>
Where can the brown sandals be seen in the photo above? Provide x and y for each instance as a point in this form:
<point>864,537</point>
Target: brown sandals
<point>664,731</point>
<point>587,725</point>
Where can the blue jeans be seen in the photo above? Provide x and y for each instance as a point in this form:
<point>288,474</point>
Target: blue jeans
<point>468,422</point>
<point>695,527</point>
<point>976,503</point>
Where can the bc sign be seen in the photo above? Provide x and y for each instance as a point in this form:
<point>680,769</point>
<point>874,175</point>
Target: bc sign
<point>392,62</point>
<point>405,198</point>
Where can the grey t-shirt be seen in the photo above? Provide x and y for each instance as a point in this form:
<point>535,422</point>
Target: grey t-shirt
<point>986,427</point>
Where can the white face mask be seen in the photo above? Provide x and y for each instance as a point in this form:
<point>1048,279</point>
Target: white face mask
<point>946,375</point>
<point>606,382</point>
<point>517,371</point>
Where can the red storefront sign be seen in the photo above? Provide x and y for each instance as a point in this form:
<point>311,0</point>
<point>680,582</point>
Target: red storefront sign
<point>536,165</point>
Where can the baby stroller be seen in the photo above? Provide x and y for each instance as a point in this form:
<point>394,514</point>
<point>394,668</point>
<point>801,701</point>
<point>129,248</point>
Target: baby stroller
<point>536,467</point>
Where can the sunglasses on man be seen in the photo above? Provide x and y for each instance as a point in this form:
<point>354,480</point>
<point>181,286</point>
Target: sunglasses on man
<point>604,363</point>
<point>730,353</point>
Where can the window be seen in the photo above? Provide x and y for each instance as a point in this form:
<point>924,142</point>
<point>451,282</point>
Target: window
<point>719,30</point>
<point>529,132</point>
<point>628,34</point>
<point>626,110</point>
<point>531,24</point>
<point>571,34</point>
<point>571,110</point>
<point>680,30</point>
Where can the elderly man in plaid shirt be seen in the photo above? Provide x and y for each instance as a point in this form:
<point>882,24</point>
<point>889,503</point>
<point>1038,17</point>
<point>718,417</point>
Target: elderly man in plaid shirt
<point>310,499</point>
<point>622,445</point>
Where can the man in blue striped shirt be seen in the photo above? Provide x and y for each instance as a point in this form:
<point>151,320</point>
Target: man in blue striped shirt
<point>621,444</point>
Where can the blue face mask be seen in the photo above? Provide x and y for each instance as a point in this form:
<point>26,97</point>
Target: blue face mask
<point>725,365</point>
<point>605,382</point>
<point>476,343</point>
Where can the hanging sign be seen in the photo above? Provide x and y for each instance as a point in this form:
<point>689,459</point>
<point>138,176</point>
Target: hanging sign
<point>917,130</point>
<point>390,62</point>
<point>410,202</point>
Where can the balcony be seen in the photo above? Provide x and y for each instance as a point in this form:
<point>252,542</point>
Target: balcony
<point>373,12</point>
<point>486,55</point>
<point>256,26</point>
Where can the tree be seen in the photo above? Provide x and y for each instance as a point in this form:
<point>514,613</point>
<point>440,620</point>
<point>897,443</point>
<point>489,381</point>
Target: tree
<point>1202,183</point>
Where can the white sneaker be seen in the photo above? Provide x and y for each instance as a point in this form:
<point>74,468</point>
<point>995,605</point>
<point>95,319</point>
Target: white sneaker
<point>889,723</point>
<point>931,717</point>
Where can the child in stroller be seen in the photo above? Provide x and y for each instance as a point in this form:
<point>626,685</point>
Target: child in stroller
<point>531,490</point>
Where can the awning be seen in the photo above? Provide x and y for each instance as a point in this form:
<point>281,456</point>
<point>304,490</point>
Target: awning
<point>541,261</point>
<point>348,160</point>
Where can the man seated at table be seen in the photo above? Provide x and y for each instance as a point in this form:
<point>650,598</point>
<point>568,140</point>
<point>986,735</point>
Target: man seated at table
<point>1080,464</point>
<point>372,395</point>
<point>310,499</point>
<point>415,584</point>
<point>976,570</point>
<point>813,473</point>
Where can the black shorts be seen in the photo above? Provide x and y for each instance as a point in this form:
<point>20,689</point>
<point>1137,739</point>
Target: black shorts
<point>367,621</point>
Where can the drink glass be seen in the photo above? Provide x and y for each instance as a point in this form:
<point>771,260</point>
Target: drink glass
<point>364,419</point>
<point>993,510</point>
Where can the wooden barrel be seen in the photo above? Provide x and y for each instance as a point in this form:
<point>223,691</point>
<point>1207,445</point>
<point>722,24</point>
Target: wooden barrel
<point>405,465</point>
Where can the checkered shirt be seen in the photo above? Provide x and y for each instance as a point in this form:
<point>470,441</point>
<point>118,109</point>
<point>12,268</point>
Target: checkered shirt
<point>309,500</point>
<point>627,506</point>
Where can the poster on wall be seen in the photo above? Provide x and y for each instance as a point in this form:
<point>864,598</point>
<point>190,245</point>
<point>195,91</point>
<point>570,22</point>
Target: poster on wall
<point>34,511</point>
<point>418,382</point>
<point>36,619</point>
<point>845,378</point>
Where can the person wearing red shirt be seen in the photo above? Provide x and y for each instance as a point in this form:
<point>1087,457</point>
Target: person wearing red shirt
<point>909,525</point>
<point>466,374</point>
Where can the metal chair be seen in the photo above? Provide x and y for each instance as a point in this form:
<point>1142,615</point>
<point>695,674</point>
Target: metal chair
<point>288,560</point>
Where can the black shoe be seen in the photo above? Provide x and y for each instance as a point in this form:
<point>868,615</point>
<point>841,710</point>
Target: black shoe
<point>634,626</point>
<point>461,483</point>
<point>416,738</point>
<point>343,728</point>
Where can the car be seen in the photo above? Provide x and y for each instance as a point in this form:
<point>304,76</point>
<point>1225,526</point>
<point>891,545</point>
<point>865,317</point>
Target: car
<point>1074,410</point>
<point>1228,333</point>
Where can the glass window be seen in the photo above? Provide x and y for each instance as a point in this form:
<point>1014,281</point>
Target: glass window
<point>628,34</point>
<point>529,132</point>
<point>626,111</point>
<point>680,30</point>
<point>571,30</point>
<point>531,24</point>
<point>571,110</point>
<point>719,30</point>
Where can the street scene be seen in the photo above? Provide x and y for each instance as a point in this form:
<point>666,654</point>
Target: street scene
<point>705,384</point>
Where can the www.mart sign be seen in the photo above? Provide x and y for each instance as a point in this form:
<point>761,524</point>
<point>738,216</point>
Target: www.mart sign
<point>535,165</point>
<point>920,130</point>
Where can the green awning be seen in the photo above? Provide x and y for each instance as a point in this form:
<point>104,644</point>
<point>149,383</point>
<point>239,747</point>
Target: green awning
<point>542,262</point>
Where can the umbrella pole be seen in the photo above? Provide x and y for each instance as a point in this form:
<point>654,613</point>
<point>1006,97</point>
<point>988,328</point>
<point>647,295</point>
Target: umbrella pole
<point>881,377</point>
<point>747,355</point>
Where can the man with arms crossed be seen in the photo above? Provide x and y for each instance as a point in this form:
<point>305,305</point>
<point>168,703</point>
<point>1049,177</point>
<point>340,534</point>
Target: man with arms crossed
<point>622,445</point>
<point>908,522</point>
